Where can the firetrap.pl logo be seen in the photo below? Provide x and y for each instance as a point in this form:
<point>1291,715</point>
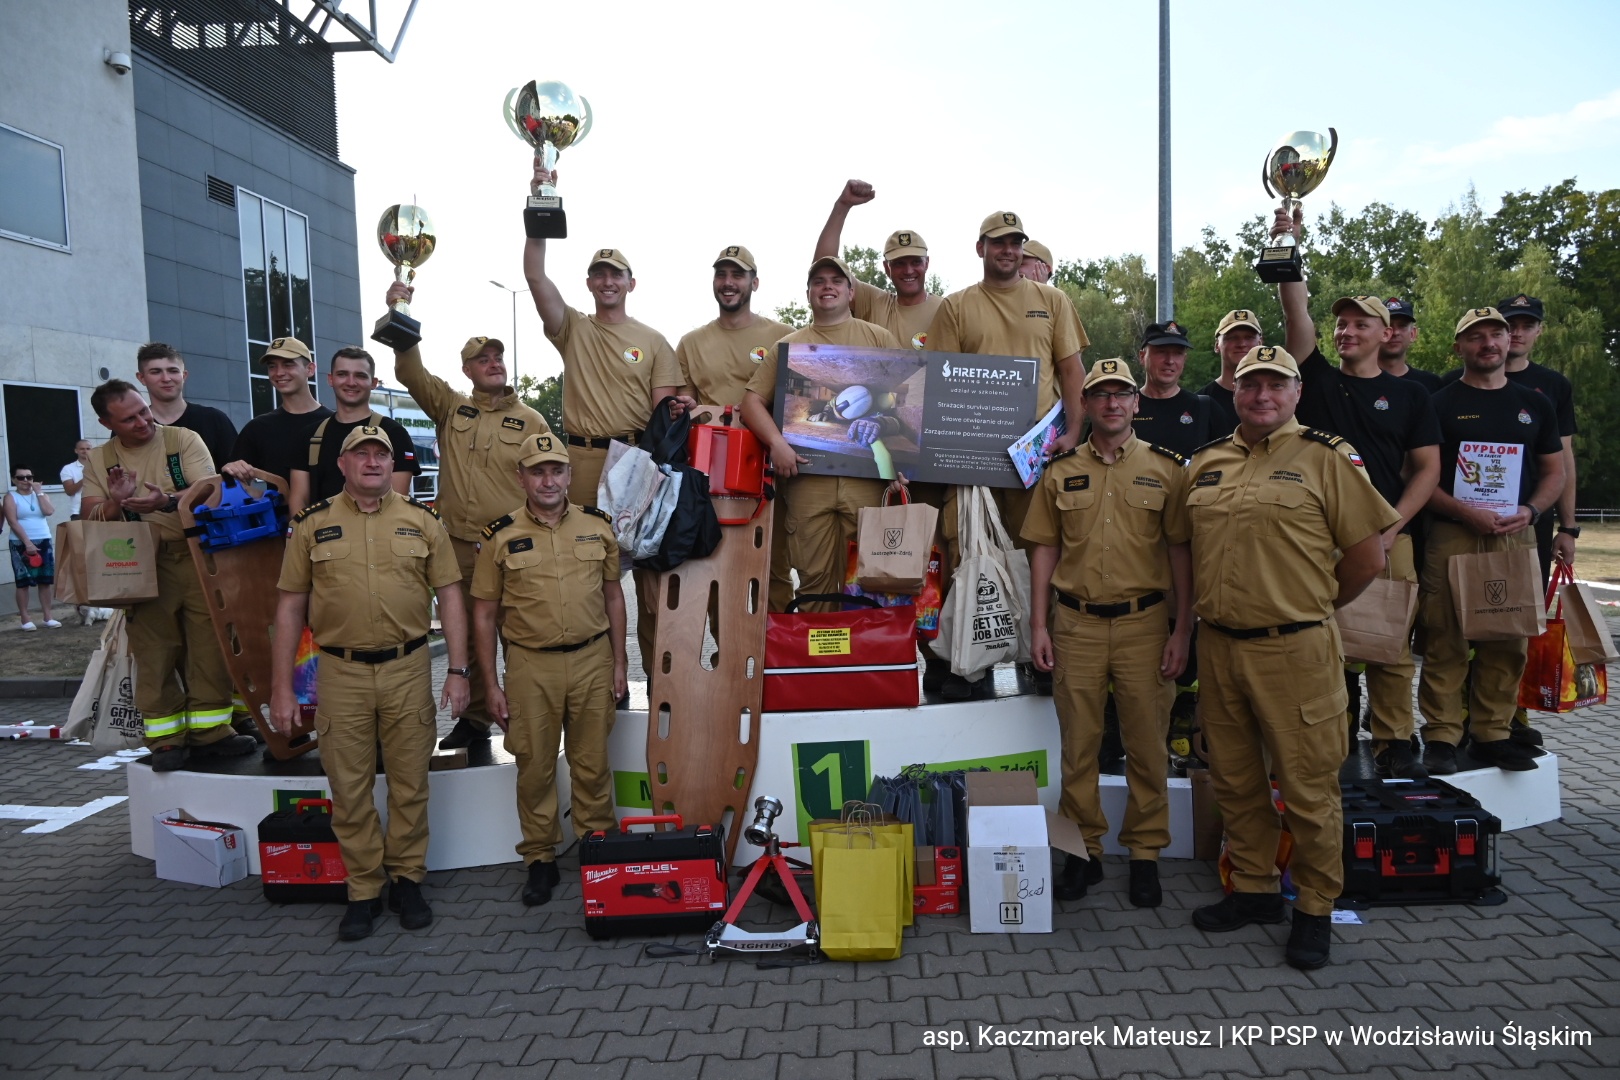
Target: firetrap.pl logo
<point>959,373</point>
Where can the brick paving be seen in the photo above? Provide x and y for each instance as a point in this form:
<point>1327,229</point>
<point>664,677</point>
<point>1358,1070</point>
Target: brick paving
<point>107,972</point>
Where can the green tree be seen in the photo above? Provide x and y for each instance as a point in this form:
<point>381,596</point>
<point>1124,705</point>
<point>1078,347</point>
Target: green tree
<point>544,396</point>
<point>1211,280</point>
<point>794,314</point>
<point>1457,270</point>
<point>1114,299</point>
<point>867,265</point>
<point>1581,229</point>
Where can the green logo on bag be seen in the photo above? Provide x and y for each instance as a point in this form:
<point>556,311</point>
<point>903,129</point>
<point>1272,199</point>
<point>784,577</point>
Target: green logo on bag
<point>119,549</point>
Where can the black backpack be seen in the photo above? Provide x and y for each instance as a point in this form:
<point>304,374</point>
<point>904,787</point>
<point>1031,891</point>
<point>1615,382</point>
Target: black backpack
<point>694,528</point>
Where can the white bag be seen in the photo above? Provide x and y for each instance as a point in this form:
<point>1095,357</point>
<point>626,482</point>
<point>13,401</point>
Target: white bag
<point>103,711</point>
<point>654,521</point>
<point>986,618</point>
<point>630,483</point>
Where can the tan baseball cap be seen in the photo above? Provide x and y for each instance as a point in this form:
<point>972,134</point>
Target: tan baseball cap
<point>1039,250</point>
<point>1239,317</point>
<point>478,344</point>
<point>1115,370</point>
<point>1002,223</point>
<point>540,448</point>
<point>1369,305</point>
<point>1267,358</point>
<point>612,256</point>
<point>832,260</point>
<point>289,347</point>
<point>736,253</point>
<point>364,434</point>
<point>904,242</point>
<point>1478,315</point>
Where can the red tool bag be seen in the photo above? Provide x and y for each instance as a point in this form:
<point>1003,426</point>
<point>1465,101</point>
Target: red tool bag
<point>653,882</point>
<point>299,858</point>
<point>860,659</point>
<point>734,460</point>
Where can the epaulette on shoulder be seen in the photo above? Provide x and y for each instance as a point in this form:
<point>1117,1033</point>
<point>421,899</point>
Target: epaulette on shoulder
<point>1070,452</point>
<point>1213,443</point>
<point>311,508</point>
<point>1326,438</point>
<point>497,525</point>
<point>1167,452</point>
<point>603,514</point>
<point>424,506</point>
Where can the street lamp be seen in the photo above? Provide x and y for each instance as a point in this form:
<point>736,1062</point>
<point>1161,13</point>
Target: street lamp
<point>514,292</point>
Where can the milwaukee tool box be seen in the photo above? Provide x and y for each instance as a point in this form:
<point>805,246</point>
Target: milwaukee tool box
<point>653,882</point>
<point>1416,842</point>
<point>299,859</point>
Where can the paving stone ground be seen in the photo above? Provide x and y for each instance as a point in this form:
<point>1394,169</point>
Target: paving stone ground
<point>107,972</point>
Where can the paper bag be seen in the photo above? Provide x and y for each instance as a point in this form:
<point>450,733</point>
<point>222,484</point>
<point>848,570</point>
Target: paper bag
<point>1497,594</point>
<point>116,562</point>
<point>68,585</point>
<point>1586,627</point>
<point>860,900</point>
<point>895,542</point>
<point>885,831</point>
<point>103,712</point>
<point>1553,680</point>
<point>1377,625</point>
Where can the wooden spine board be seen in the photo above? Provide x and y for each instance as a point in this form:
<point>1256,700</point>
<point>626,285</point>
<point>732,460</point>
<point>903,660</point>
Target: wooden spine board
<point>706,766</point>
<point>240,585</point>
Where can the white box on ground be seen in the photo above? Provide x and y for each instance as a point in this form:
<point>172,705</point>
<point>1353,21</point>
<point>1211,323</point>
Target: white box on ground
<point>198,852</point>
<point>1010,842</point>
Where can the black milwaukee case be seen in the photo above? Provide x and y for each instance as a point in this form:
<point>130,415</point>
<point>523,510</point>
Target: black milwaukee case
<point>299,860</point>
<point>653,882</point>
<point>1415,842</point>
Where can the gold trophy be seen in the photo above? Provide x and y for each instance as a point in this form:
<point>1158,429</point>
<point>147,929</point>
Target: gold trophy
<point>549,117</point>
<point>1293,170</point>
<point>407,238</point>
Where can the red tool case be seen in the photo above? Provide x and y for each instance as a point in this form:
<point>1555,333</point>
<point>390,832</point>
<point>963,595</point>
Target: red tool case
<point>299,858</point>
<point>653,882</point>
<point>1416,842</point>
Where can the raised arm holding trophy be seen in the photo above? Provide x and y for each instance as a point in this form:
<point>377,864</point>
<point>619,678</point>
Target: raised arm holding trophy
<point>1293,170</point>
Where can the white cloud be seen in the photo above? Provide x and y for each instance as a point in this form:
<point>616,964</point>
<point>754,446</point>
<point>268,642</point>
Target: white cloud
<point>1588,121</point>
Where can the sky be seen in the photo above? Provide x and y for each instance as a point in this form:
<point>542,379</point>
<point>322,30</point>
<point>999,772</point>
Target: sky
<point>720,124</point>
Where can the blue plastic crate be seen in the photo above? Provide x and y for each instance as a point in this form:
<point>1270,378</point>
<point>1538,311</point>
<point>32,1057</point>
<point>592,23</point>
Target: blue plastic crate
<point>240,518</point>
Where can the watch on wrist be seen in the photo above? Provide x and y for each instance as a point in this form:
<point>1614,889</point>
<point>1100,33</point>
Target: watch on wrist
<point>1571,531</point>
<point>1535,515</point>
<point>463,672</point>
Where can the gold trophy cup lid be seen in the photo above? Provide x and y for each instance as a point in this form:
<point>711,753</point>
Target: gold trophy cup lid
<point>1299,163</point>
<point>406,235</point>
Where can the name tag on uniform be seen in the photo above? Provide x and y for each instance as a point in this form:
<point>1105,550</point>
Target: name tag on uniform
<point>522,543</point>
<point>512,422</point>
<point>1209,479</point>
<point>1076,483</point>
<point>467,410</point>
<point>330,532</point>
<point>588,538</point>
<point>406,530</point>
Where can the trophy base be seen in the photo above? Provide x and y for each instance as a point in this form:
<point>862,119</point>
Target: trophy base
<point>1280,264</point>
<point>397,331</point>
<point>543,218</point>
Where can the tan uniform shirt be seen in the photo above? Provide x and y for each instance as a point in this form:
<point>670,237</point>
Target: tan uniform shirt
<point>716,363</point>
<point>370,576</point>
<point>909,324</point>
<point>479,439</point>
<point>548,578</point>
<point>609,371</point>
<point>153,462</point>
<point>1025,320</point>
<point>1111,523</point>
<point>848,332</point>
<point>1266,521</point>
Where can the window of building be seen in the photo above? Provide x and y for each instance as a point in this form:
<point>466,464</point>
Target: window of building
<point>275,283</point>
<point>33,190</point>
<point>42,424</point>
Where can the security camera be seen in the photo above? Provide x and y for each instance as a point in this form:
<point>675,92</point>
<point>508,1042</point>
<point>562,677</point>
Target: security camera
<point>118,61</point>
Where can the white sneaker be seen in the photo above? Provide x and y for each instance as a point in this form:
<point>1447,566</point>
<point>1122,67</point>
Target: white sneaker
<point>53,624</point>
<point>29,626</point>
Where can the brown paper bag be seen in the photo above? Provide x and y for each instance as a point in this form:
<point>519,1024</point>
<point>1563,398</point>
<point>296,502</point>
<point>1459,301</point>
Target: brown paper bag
<point>1585,627</point>
<point>1497,594</point>
<point>1377,625</point>
<point>118,560</point>
<point>895,542</point>
<point>69,565</point>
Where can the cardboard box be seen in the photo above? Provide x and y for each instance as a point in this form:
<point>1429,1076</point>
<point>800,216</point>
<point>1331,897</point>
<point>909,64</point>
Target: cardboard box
<point>936,900</point>
<point>198,852</point>
<point>939,866</point>
<point>1009,854</point>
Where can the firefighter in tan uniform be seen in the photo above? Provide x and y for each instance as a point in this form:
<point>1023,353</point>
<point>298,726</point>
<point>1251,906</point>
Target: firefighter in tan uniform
<point>823,512</point>
<point>1008,315</point>
<point>182,688</point>
<point>615,369</point>
<point>1109,521</point>
<point>1270,505</point>
<point>548,582</point>
<point>717,360</point>
<point>363,569</point>
<point>479,436</point>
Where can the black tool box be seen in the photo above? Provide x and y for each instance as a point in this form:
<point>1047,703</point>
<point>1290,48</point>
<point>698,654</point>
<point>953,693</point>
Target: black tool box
<point>653,882</point>
<point>1417,842</point>
<point>299,860</point>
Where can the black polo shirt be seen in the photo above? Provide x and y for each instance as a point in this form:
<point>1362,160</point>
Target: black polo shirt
<point>1383,417</point>
<point>1182,423</point>
<point>1222,397</point>
<point>1550,384</point>
<point>1512,414</point>
<point>1426,379</point>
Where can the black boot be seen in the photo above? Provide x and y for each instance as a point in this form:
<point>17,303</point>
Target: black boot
<point>543,877</point>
